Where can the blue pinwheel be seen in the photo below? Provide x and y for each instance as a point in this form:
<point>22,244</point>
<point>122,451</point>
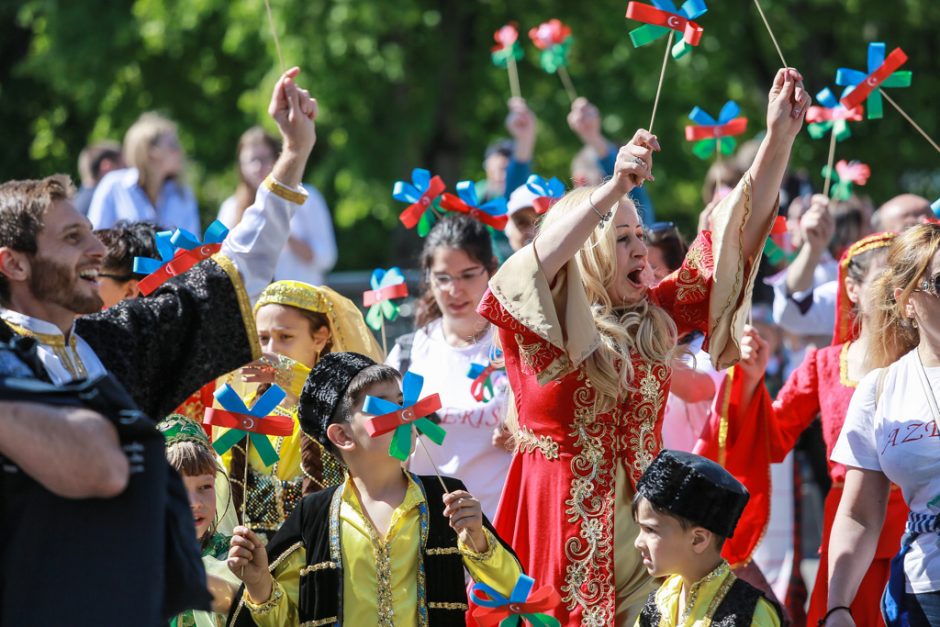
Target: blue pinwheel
<point>179,251</point>
<point>662,17</point>
<point>165,249</point>
<point>711,136</point>
<point>935,207</point>
<point>549,192</point>
<point>421,194</point>
<point>492,213</point>
<point>214,236</point>
<point>881,73</point>
<point>831,116</point>
<point>523,604</point>
<point>255,423</point>
<point>400,418</point>
<point>386,285</point>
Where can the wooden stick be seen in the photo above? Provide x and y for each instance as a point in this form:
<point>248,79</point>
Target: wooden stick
<point>771,32</point>
<point>384,340</point>
<point>832,156</point>
<point>465,535</point>
<point>513,77</point>
<point>909,119</point>
<point>245,494</point>
<point>277,41</point>
<point>662,74</point>
<point>566,81</point>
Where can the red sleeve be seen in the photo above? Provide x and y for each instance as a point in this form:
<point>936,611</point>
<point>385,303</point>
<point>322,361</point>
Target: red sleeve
<point>685,293</point>
<point>795,408</point>
<point>533,353</point>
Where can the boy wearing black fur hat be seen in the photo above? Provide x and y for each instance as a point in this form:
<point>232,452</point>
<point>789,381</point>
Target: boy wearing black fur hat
<point>685,506</point>
<point>380,549</point>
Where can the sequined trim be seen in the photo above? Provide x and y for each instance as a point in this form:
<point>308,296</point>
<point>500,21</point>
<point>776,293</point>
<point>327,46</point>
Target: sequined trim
<point>423,525</point>
<point>844,367</point>
<point>279,189</point>
<point>528,442</point>
<point>244,303</point>
<point>486,555</point>
<point>320,622</point>
<point>451,550</point>
<point>313,568</point>
<point>720,594</point>
<point>269,605</point>
<point>463,607</point>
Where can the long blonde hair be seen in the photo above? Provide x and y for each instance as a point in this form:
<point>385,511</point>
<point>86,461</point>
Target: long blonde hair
<point>908,260</point>
<point>644,327</point>
<point>139,139</point>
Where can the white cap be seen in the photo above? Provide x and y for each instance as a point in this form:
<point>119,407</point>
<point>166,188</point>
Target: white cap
<point>521,198</point>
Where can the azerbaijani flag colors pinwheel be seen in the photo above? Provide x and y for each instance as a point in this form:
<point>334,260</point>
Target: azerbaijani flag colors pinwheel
<point>400,418</point>
<point>831,116</point>
<point>882,72</point>
<point>179,251</point>
<point>507,45</point>
<point>492,213</point>
<point>482,387</point>
<point>554,39</point>
<point>847,174</point>
<point>776,243</point>
<point>936,207</point>
<point>421,193</point>
<point>711,135</point>
<point>523,604</point>
<point>661,18</point>
<point>549,192</point>
<point>256,423</point>
<point>386,286</point>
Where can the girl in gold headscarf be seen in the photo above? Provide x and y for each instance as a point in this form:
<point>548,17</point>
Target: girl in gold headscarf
<point>297,324</point>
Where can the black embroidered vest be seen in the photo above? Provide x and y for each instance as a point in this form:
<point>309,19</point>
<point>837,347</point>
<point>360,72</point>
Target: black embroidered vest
<point>735,610</point>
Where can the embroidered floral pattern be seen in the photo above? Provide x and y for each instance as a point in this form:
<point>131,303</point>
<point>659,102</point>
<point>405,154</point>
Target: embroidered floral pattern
<point>528,442</point>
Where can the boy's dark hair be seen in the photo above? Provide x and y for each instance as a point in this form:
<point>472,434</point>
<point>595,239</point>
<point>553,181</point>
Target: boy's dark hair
<point>125,241</point>
<point>354,396</point>
<point>684,522</point>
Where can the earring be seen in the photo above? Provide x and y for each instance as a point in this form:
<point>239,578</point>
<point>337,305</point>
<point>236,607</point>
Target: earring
<point>913,322</point>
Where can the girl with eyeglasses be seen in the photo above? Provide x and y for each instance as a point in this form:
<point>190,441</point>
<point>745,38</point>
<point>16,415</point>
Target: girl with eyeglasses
<point>457,262</point>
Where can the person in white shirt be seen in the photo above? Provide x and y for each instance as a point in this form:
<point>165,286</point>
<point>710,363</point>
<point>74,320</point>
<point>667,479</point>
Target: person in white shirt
<point>311,248</point>
<point>457,262</point>
<point>892,435</point>
<point>151,188</point>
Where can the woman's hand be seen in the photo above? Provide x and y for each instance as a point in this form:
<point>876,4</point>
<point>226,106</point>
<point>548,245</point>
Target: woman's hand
<point>755,354</point>
<point>263,370</point>
<point>294,111</point>
<point>248,559</point>
<point>502,437</point>
<point>787,104</point>
<point>634,165</point>
<point>466,515</point>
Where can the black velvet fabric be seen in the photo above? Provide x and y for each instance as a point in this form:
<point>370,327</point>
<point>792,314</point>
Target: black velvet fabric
<point>696,489</point>
<point>735,610</point>
<point>164,347</point>
<point>326,384</point>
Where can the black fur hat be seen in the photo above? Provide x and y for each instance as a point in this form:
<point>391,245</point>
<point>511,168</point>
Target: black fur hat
<point>326,384</point>
<point>696,489</point>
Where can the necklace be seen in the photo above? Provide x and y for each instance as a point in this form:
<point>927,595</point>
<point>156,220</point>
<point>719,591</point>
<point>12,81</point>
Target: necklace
<point>470,340</point>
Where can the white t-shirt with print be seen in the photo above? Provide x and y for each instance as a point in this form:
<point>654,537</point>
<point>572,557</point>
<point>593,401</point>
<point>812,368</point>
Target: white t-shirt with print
<point>898,436</point>
<point>467,452</point>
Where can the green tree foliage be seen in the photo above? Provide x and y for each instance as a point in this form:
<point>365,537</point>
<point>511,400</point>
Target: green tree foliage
<point>409,83</point>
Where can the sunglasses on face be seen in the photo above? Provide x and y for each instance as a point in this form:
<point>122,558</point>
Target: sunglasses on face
<point>930,286</point>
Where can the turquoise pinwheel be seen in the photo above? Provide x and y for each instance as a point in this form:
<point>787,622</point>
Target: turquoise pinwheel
<point>386,286</point>
<point>492,213</point>
<point>422,195</point>
<point>662,17</point>
<point>255,423</point>
<point>711,135</point>
<point>880,74</point>
<point>413,411</point>
<point>831,116</point>
<point>548,192</point>
<point>179,251</point>
<point>935,207</point>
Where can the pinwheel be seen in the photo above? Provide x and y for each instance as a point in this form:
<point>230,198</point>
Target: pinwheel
<point>386,286</point>
<point>179,251</point>
<point>831,116</point>
<point>414,411</point>
<point>715,137</point>
<point>882,72</point>
<point>482,387</point>
<point>255,423</point>
<point>549,192</point>
<point>506,52</point>
<point>936,207</point>
<point>421,193</point>
<point>492,213</point>
<point>663,18</point>
<point>847,174</point>
<point>554,39</point>
<point>776,246</point>
<point>494,609</point>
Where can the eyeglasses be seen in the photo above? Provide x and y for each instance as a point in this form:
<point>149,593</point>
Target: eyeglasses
<point>120,278</point>
<point>446,282</point>
<point>930,286</point>
<point>661,227</point>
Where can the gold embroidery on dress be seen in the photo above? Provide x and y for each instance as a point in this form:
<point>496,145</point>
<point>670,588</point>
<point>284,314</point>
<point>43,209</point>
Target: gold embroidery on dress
<point>306,570</point>
<point>527,352</point>
<point>434,605</point>
<point>450,550</point>
<point>320,622</point>
<point>690,280</point>
<point>528,442</point>
<point>644,442</point>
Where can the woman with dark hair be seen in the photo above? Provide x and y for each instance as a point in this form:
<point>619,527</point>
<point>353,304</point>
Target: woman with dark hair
<point>311,247</point>
<point>890,438</point>
<point>456,262</point>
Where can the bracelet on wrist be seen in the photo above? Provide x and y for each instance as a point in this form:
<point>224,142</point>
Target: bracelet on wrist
<point>603,217</point>
<point>822,621</point>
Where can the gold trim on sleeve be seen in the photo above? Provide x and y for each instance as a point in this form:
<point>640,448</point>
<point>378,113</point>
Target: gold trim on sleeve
<point>463,607</point>
<point>263,608</point>
<point>451,550</point>
<point>283,191</point>
<point>306,570</point>
<point>244,303</point>
<point>491,543</point>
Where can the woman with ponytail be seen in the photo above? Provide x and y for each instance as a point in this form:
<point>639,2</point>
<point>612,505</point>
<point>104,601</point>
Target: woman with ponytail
<point>892,436</point>
<point>588,346</point>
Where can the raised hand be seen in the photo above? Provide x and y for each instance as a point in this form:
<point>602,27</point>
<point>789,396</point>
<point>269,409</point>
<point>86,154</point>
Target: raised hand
<point>755,354</point>
<point>817,225</point>
<point>787,104</point>
<point>634,164</point>
<point>522,126</point>
<point>294,111</point>
<point>584,119</point>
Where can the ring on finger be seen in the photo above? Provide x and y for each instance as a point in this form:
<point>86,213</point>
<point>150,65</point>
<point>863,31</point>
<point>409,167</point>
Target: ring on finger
<point>638,161</point>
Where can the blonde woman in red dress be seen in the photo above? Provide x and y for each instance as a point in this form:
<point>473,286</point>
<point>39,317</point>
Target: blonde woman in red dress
<point>588,346</point>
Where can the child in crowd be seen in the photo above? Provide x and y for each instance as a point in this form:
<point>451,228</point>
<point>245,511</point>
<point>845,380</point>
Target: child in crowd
<point>685,506</point>
<point>380,549</point>
<point>188,451</point>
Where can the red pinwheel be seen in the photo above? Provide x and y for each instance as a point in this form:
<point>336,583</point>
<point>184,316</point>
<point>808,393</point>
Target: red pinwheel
<point>492,213</point>
<point>179,251</point>
<point>713,136</point>
<point>549,192</point>
<point>254,423</point>
<point>505,54</point>
<point>494,609</point>
<point>831,116</point>
<point>846,175</point>
<point>662,18</point>
<point>882,72</point>
<point>400,418</point>
<point>421,193</point>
